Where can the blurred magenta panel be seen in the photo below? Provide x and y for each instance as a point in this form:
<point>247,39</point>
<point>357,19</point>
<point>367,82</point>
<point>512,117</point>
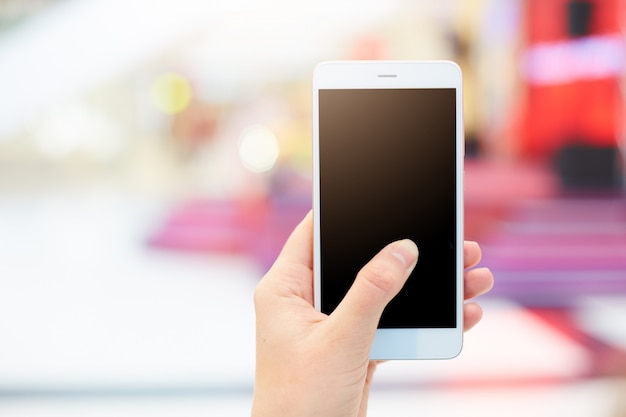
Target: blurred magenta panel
<point>257,228</point>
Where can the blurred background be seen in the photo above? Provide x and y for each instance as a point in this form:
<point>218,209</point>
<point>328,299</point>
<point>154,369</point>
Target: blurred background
<point>154,155</point>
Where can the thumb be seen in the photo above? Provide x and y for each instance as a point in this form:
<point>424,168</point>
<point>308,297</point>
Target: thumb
<point>375,285</point>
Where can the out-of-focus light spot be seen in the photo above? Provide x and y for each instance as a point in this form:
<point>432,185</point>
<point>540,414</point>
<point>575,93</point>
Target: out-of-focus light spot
<point>78,128</point>
<point>258,148</point>
<point>171,93</point>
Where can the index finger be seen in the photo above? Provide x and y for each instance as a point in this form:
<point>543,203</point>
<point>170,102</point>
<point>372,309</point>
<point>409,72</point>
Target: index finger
<point>471,254</point>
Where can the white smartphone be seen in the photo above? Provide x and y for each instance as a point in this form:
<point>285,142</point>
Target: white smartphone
<point>388,164</point>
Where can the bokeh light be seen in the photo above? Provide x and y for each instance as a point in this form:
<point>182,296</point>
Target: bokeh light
<point>258,148</point>
<point>171,93</point>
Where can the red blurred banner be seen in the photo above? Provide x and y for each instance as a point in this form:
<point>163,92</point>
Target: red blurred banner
<point>573,61</point>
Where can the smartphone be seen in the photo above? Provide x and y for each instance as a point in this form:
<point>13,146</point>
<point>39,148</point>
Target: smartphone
<point>388,164</point>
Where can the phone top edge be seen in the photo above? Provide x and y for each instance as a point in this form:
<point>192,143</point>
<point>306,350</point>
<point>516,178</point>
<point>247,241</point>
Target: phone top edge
<point>387,74</point>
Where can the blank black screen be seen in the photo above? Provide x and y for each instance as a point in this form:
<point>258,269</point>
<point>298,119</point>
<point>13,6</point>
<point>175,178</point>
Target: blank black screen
<point>387,172</point>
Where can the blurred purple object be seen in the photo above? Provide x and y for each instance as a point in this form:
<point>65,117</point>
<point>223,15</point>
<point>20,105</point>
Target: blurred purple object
<point>256,228</point>
<point>551,251</point>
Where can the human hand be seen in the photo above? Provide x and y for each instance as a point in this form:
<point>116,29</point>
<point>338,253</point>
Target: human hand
<point>312,364</point>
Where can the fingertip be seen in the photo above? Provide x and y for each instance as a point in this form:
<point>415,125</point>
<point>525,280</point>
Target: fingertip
<point>489,278</point>
<point>472,315</point>
<point>407,252</point>
<point>477,281</point>
<point>472,253</point>
<point>471,245</point>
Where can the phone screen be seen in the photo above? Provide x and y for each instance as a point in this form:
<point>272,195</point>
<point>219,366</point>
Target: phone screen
<point>387,161</point>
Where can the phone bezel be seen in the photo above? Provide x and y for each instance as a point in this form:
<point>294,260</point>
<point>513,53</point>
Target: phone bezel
<point>410,343</point>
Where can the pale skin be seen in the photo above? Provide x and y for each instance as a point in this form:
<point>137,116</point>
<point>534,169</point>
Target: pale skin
<point>312,364</point>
